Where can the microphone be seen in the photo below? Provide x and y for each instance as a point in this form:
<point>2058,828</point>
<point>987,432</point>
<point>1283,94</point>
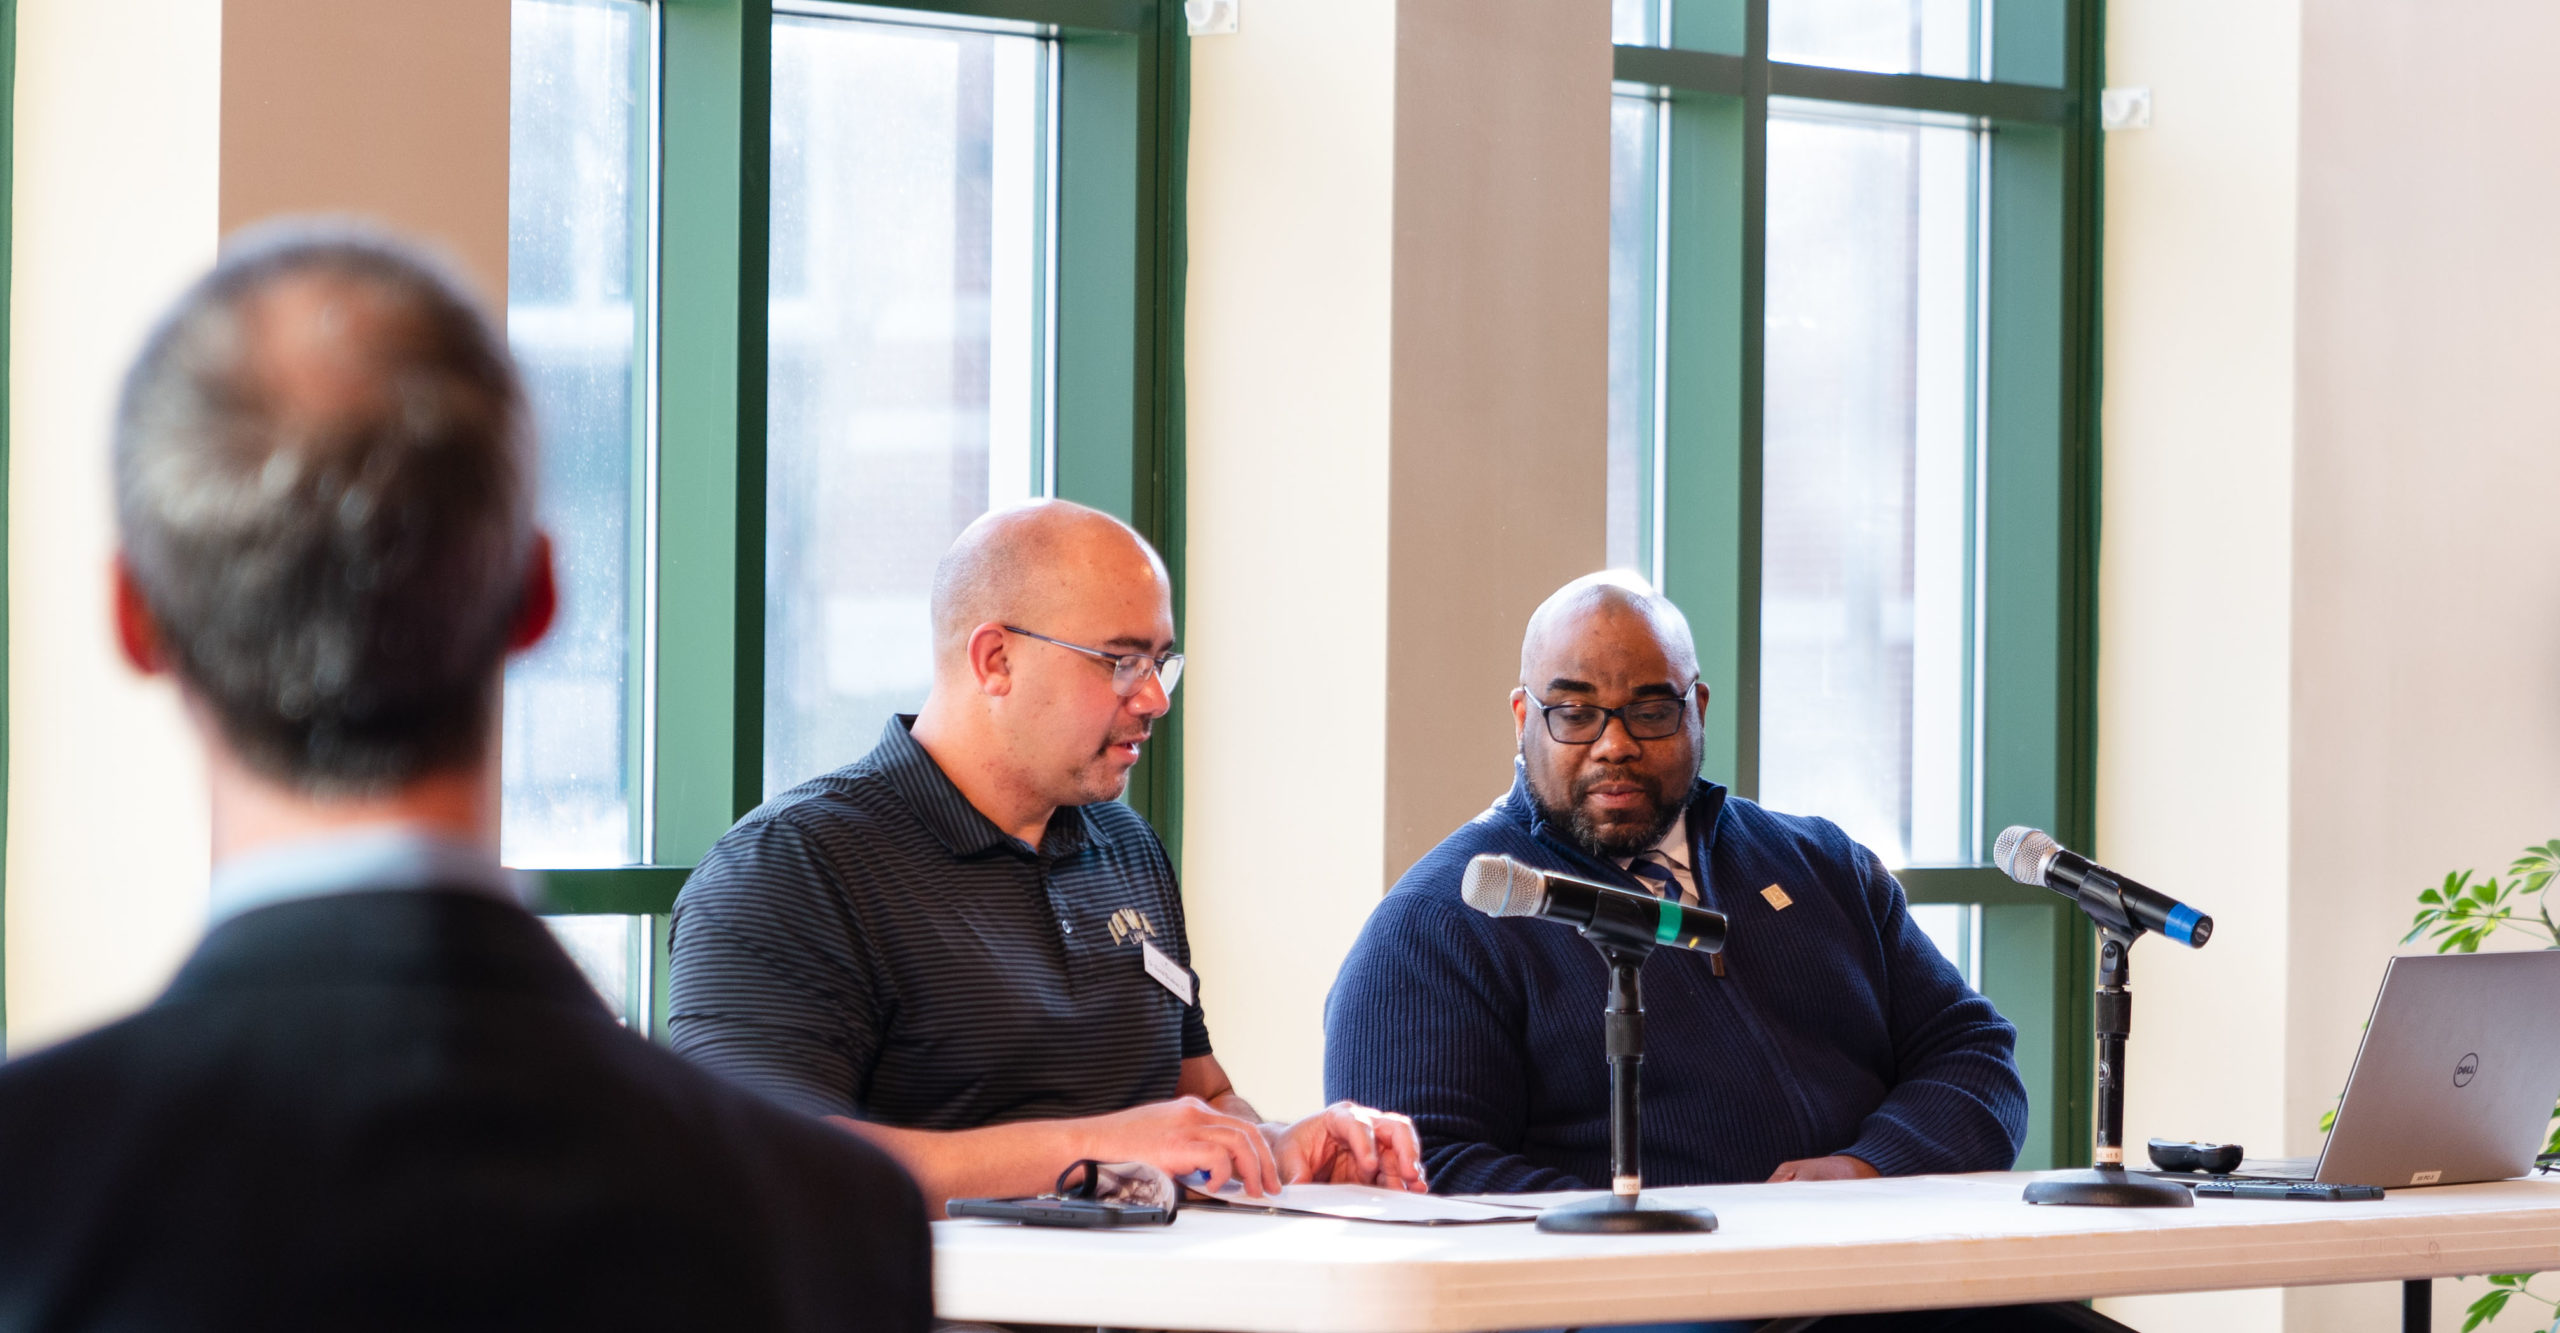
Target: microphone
<point>1502,886</point>
<point>2030,856</point>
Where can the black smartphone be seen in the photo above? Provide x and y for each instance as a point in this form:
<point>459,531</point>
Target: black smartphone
<point>2306,1191</point>
<point>1060,1212</point>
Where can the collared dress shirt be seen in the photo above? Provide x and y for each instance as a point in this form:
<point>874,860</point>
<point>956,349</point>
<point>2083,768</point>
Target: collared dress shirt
<point>1673,855</point>
<point>869,944</point>
<point>377,859</point>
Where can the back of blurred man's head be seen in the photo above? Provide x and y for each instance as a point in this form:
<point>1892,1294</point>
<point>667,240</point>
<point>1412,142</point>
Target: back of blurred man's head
<point>324,485</point>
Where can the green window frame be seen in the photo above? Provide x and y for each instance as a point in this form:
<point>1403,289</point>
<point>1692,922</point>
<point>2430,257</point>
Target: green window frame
<point>1123,96</point>
<point>2037,658</point>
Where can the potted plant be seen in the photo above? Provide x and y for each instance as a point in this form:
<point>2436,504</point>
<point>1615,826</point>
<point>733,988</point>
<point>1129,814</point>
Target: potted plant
<point>2459,915</point>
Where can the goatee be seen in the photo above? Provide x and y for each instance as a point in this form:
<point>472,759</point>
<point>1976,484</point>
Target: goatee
<point>1611,841</point>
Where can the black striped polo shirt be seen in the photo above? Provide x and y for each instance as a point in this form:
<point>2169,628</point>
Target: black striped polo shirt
<point>869,944</point>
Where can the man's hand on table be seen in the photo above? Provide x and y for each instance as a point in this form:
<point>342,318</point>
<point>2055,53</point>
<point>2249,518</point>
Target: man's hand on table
<point>1823,1168</point>
<point>1350,1144</point>
<point>1186,1135</point>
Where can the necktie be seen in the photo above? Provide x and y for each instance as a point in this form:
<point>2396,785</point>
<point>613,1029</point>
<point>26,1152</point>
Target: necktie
<point>1655,870</point>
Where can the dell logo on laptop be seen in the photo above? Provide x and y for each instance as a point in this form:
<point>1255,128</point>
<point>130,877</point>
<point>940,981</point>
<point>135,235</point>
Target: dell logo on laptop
<point>2465,1070</point>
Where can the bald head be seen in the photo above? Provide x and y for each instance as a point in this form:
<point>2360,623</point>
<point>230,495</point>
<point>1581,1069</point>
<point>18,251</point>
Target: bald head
<point>1613,598</point>
<point>1609,739</point>
<point>1030,565</point>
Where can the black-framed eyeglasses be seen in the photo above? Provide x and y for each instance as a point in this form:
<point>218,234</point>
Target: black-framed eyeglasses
<point>1128,670</point>
<point>1645,719</point>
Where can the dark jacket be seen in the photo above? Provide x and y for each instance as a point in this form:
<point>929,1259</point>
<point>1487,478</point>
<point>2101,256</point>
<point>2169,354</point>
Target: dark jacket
<point>1839,1027</point>
<point>401,1110</point>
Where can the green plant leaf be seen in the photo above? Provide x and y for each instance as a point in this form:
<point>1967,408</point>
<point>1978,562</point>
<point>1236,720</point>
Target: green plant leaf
<point>2486,1308</point>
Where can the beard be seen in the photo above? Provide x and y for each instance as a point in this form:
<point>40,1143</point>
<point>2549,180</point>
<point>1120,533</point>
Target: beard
<point>1102,780</point>
<point>1608,841</point>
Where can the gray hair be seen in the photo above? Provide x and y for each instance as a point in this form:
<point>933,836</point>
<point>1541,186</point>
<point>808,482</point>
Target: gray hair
<point>324,485</point>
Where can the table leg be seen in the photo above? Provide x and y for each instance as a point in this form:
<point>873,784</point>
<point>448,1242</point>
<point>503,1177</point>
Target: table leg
<point>2417,1305</point>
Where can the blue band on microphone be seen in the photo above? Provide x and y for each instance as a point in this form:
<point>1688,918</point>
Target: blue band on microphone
<point>1668,929</point>
<point>2181,925</point>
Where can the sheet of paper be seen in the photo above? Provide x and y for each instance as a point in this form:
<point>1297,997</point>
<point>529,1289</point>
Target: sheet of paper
<point>1368,1203</point>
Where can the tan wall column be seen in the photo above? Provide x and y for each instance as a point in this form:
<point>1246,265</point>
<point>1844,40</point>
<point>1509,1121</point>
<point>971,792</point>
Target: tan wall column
<point>2195,570</point>
<point>1397,369</point>
<point>2330,609</point>
<point>145,129</point>
<point>114,128</point>
<point>389,110</point>
<point>2426,607</point>
<point>1287,321</point>
<point>1501,409</point>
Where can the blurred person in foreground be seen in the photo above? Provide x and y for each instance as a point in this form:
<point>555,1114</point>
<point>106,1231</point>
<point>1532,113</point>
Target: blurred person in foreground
<point>378,1095</point>
<point>962,947</point>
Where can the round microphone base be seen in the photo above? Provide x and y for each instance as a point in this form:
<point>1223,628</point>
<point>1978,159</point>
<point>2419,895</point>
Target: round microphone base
<point>2110,1187</point>
<point>1624,1215</point>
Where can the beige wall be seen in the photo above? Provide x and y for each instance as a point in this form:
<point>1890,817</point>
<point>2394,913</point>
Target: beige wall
<point>1397,319</point>
<point>114,126</point>
<point>384,109</point>
<point>2331,625</point>
<point>1501,378</point>
<point>146,129</point>
<point>2196,567</point>
<point>1288,322</point>
<point>2426,608</point>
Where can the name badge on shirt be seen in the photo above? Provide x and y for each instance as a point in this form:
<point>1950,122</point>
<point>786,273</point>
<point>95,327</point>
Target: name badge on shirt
<point>1162,967</point>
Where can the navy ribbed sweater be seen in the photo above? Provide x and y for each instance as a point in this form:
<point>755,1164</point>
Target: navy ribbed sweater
<point>1839,1027</point>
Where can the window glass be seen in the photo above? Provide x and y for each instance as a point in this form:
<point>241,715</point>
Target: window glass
<point>612,952</point>
<point>1956,929</point>
<point>1868,468</point>
<point>1634,22</point>
<point>1634,200</point>
<point>575,276</point>
<point>1939,37</point>
<point>907,354</point>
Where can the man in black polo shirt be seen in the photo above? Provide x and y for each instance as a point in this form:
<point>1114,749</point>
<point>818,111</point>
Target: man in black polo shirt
<point>961,947</point>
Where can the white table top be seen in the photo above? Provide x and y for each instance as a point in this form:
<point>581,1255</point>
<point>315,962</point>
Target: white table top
<point>1792,1249</point>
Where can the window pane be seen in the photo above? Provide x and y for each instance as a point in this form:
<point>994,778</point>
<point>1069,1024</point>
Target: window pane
<point>1634,124</point>
<point>1868,471</point>
<point>1955,929</point>
<point>1940,37</point>
<point>613,954</point>
<point>1632,22</point>
<point>907,354</point>
<point>575,190</point>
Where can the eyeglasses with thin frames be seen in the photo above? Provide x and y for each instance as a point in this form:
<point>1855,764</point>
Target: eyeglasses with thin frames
<point>1128,670</point>
<point>1584,724</point>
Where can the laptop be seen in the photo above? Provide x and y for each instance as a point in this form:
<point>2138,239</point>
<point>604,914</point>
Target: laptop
<point>2455,1080</point>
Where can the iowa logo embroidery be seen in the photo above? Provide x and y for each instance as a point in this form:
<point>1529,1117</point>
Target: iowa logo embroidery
<point>1129,923</point>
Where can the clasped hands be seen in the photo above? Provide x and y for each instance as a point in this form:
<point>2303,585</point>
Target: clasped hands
<point>1343,1144</point>
<point>1839,1166</point>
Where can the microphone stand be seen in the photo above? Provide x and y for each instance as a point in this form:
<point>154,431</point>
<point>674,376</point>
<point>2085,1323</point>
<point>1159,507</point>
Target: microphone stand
<point>2108,1184</point>
<point>1625,1210</point>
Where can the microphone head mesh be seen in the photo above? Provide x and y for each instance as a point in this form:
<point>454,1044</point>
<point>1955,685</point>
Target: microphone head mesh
<point>1500,886</point>
<point>2024,854</point>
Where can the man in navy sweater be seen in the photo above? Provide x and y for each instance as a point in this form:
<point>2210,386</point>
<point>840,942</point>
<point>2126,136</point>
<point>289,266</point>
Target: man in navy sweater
<point>1830,1040</point>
